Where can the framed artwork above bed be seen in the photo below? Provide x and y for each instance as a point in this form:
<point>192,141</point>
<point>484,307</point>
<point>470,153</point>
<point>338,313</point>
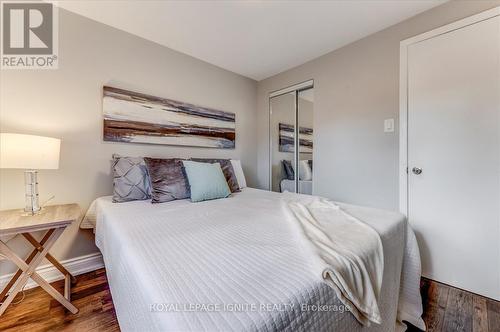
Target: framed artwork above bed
<point>139,118</point>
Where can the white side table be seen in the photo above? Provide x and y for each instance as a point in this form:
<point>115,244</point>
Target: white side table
<point>53,220</point>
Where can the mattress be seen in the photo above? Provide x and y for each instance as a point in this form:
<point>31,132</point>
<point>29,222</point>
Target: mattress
<point>230,264</point>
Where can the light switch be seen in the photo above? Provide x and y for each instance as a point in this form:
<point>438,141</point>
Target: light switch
<point>388,125</point>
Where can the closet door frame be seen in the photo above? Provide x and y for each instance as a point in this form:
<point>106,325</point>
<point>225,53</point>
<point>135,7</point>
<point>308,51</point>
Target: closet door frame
<point>403,93</point>
<point>296,88</point>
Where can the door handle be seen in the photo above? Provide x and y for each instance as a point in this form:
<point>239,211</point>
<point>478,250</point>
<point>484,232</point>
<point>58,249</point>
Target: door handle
<point>416,170</point>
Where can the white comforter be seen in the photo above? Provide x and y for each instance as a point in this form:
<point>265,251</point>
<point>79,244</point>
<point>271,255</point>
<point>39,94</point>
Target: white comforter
<point>238,264</point>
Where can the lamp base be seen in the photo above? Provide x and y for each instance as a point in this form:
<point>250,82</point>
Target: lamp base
<point>32,205</point>
<point>31,213</point>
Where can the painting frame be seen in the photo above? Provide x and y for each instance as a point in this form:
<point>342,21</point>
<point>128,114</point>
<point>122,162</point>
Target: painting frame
<point>132,117</point>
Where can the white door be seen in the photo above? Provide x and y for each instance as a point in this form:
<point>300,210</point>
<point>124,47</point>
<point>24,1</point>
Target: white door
<point>453,137</point>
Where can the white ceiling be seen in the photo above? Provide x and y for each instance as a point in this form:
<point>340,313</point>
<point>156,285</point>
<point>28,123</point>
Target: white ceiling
<point>256,39</point>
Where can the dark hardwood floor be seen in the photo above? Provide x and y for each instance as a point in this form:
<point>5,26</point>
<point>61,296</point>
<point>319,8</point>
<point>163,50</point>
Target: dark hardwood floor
<point>448,308</point>
<point>40,312</point>
<point>445,309</point>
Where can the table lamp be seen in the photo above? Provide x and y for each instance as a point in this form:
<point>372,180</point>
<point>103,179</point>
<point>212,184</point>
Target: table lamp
<point>30,153</point>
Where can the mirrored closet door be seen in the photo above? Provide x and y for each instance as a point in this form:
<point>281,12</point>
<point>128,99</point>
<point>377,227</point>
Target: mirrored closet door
<point>291,125</point>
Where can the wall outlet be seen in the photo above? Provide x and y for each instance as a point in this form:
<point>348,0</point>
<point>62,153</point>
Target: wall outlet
<point>388,125</point>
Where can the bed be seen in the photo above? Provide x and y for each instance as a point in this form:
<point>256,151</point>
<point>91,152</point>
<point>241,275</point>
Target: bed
<point>238,264</point>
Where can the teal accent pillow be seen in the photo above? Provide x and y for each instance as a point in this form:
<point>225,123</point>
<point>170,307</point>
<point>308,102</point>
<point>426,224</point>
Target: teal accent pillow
<point>206,180</point>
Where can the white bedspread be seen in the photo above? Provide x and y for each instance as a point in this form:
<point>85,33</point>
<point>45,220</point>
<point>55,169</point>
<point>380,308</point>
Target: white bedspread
<point>238,264</point>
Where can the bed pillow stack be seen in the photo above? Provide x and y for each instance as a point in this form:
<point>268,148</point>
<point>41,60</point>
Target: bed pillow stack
<point>164,180</point>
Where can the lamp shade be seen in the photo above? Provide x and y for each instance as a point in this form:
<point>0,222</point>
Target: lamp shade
<point>29,151</point>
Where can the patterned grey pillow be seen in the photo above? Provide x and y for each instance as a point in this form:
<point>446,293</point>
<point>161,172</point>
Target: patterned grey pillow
<point>130,179</point>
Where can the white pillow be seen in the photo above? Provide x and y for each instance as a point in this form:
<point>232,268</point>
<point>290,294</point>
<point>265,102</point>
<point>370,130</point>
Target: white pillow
<point>305,172</point>
<point>238,171</point>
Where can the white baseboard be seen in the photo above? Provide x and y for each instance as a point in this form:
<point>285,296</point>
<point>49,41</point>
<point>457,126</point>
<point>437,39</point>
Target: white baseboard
<point>75,266</point>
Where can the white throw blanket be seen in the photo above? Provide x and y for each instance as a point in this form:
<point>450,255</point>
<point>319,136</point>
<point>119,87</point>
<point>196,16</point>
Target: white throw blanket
<point>351,253</point>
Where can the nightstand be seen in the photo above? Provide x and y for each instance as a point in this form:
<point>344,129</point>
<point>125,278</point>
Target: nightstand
<point>53,220</point>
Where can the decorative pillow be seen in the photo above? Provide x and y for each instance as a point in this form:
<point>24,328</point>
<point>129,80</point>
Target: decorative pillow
<point>206,181</point>
<point>227,169</point>
<point>168,180</point>
<point>130,179</point>
<point>287,165</point>
<point>238,171</point>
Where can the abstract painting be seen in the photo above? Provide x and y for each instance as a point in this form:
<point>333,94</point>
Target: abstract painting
<point>139,118</point>
<point>286,138</point>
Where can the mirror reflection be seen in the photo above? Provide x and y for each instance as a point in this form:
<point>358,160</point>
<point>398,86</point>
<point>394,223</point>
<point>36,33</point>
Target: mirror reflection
<point>287,110</point>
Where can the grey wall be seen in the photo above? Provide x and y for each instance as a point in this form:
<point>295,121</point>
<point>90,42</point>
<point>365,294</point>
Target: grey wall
<point>355,89</point>
<point>66,103</point>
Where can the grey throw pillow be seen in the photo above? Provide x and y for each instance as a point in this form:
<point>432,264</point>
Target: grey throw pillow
<point>130,179</point>
<point>227,169</point>
<point>168,180</point>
